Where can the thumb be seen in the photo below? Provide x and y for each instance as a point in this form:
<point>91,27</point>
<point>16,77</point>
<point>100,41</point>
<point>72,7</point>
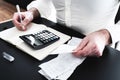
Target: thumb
<point>28,18</point>
<point>83,43</point>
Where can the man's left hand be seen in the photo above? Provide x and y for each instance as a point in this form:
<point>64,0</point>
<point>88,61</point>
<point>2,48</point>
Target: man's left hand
<point>93,44</point>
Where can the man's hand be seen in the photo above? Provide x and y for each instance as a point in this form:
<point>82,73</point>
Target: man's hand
<point>93,44</point>
<point>27,17</point>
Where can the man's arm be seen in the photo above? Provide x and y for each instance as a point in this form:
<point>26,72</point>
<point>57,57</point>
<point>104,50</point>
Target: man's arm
<point>43,7</point>
<point>34,12</point>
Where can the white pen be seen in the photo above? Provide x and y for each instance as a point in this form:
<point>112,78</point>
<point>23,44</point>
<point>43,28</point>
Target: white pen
<point>18,10</point>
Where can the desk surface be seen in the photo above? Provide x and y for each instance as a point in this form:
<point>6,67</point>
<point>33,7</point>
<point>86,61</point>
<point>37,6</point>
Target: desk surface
<point>26,67</point>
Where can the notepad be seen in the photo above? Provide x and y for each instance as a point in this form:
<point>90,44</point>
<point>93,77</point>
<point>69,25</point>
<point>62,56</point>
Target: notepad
<point>12,36</point>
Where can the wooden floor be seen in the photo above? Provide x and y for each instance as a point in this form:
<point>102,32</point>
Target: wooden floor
<point>6,10</point>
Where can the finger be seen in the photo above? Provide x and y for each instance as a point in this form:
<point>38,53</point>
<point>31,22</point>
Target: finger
<point>79,53</point>
<point>88,50</point>
<point>27,20</point>
<point>91,50</point>
<point>82,45</point>
<point>16,21</point>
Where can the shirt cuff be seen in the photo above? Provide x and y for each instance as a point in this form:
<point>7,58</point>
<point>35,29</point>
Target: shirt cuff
<point>43,6</point>
<point>114,32</point>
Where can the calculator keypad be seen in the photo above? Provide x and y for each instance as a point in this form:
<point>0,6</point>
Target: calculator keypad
<point>45,36</point>
<point>41,39</point>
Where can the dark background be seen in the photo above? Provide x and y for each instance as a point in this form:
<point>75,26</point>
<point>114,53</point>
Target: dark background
<point>21,3</point>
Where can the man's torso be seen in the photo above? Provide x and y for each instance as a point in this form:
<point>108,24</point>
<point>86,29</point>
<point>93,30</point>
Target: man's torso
<point>86,15</point>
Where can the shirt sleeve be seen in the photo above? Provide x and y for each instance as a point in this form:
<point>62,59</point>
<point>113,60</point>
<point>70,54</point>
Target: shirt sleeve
<point>115,33</point>
<point>43,6</point>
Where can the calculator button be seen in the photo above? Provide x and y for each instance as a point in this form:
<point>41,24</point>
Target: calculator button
<point>42,39</point>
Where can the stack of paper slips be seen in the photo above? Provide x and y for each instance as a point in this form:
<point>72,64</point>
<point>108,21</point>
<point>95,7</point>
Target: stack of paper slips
<point>61,67</point>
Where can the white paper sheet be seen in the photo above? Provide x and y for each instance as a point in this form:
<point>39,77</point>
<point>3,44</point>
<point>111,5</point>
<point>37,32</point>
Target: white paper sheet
<point>74,41</point>
<point>72,44</point>
<point>62,66</point>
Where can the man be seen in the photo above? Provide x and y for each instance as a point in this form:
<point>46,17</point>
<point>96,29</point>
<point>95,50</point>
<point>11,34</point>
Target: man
<point>95,18</point>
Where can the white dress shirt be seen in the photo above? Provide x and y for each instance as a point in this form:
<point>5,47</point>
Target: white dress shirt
<point>84,16</point>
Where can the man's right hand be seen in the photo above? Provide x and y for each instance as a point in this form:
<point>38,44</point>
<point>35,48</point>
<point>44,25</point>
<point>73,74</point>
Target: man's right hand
<point>27,17</point>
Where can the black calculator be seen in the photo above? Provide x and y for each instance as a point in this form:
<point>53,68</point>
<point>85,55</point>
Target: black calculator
<point>40,39</point>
